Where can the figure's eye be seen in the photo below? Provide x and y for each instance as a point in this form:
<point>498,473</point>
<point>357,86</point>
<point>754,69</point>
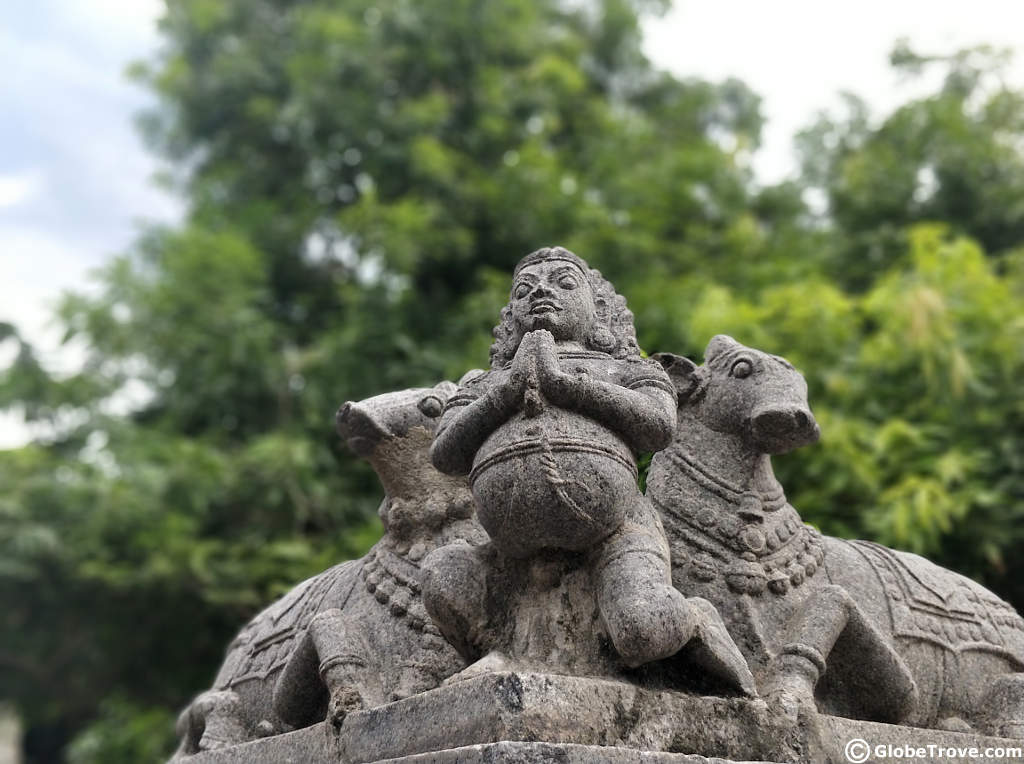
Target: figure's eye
<point>431,406</point>
<point>522,290</point>
<point>742,369</point>
<point>567,282</point>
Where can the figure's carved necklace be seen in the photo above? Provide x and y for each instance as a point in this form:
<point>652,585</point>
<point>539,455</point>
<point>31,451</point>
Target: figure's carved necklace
<point>757,542</point>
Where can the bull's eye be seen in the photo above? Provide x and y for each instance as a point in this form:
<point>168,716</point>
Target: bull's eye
<point>431,406</point>
<point>741,369</point>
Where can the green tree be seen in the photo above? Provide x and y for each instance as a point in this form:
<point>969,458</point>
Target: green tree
<point>359,177</point>
<point>953,157</point>
<point>914,383</point>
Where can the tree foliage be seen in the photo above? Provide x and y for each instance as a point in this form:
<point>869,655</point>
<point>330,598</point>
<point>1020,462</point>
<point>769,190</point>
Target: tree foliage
<point>360,179</point>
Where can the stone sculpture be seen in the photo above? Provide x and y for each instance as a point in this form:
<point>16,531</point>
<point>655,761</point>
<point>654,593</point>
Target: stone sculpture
<point>528,602</point>
<point>355,635</point>
<point>549,437</point>
<point>848,627</point>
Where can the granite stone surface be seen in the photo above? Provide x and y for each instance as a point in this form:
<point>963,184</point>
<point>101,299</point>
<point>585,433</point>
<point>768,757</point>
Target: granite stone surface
<point>356,635</point>
<point>848,628</point>
<point>550,437</point>
<point>528,602</point>
<point>512,752</point>
<point>518,716</point>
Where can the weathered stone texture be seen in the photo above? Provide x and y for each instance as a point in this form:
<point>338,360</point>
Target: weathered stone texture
<point>529,603</point>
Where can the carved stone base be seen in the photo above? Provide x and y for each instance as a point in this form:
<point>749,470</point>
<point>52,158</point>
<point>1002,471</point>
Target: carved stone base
<point>523,717</point>
<point>515,752</point>
<point>558,709</point>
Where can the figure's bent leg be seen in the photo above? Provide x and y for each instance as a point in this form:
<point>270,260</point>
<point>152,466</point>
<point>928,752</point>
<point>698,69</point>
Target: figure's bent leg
<point>646,618</point>
<point>715,651</point>
<point>454,586</point>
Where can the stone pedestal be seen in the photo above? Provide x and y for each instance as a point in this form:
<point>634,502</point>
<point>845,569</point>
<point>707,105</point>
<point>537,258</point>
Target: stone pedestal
<point>522,717</point>
<point>560,710</point>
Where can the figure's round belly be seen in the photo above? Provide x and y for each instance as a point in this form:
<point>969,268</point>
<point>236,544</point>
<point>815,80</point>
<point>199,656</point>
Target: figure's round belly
<point>539,486</point>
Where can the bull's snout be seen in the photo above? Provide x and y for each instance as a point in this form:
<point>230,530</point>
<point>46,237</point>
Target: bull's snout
<point>343,413</point>
<point>358,429</point>
<point>781,429</point>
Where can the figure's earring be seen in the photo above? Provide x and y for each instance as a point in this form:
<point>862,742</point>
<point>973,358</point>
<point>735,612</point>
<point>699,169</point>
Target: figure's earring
<point>602,339</point>
<point>600,336</point>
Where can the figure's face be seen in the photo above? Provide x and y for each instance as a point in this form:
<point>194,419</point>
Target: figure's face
<point>553,295</point>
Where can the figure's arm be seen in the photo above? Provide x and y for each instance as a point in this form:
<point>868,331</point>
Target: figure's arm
<point>466,425</point>
<point>645,417</point>
<point>644,414</point>
<point>469,420</point>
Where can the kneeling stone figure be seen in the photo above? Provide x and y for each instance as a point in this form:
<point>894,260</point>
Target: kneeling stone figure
<point>549,438</point>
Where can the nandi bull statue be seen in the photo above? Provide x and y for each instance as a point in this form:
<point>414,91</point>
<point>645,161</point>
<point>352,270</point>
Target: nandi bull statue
<point>549,438</point>
<point>850,628</point>
<point>355,636</point>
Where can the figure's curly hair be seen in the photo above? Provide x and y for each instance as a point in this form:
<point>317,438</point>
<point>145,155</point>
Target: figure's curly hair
<point>614,332</point>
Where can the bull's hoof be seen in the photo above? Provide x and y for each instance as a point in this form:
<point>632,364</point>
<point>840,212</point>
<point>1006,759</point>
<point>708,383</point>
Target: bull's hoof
<point>344,701</point>
<point>1003,706</point>
<point>221,712</point>
<point>221,732</point>
<point>790,689</point>
<point>789,701</point>
<point>793,724</point>
<point>1014,729</point>
<point>954,724</point>
<point>490,663</point>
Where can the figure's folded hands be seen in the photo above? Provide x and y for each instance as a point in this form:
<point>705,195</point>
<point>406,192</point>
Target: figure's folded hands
<point>554,384</point>
<point>524,367</point>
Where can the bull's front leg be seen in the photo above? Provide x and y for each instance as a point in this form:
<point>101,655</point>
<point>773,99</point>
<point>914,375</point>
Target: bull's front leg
<point>213,720</point>
<point>333,659</point>
<point>828,616</point>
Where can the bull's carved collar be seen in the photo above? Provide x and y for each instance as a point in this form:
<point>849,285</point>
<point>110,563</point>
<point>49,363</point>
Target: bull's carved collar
<point>751,538</point>
<point>749,502</point>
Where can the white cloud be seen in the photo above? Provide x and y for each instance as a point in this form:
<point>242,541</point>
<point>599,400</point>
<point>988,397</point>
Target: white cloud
<point>36,267</point>
<point>132,21</point>
<point>799,54</point>
<point>18,188</point>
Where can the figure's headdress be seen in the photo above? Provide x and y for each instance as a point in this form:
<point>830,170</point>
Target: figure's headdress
<point>552,253</point>
<point>613,333</point>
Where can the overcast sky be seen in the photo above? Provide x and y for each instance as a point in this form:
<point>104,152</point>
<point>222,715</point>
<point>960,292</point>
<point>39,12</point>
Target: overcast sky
<point>75,178</point>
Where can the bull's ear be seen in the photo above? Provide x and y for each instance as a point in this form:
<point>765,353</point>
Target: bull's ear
<point>446,387</point>
<point>470,375</point>
<point>720,343</point>
<point>681,370</point>
<point>675,365</point>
